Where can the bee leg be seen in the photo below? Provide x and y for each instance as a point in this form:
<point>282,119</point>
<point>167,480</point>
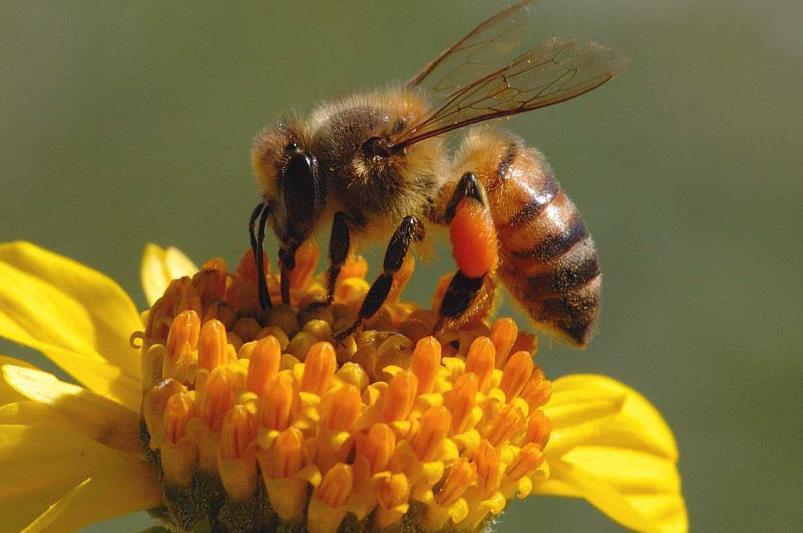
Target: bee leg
<point>261,211</point>
<point>287,263</point>
<point>339,244</point>
<point>411,229</point>
<point>474,246</point>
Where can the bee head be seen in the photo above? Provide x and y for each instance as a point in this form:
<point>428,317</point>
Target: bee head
<point>288,175</point>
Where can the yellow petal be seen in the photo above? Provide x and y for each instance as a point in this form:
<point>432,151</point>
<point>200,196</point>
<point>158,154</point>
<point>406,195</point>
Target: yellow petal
<point>100,419</point>
<point>79,507</point>
<point>160,266</point>
<point>624,462</point>
<point>78,317</point>
<point>42,463</point>
<point>7,392</point>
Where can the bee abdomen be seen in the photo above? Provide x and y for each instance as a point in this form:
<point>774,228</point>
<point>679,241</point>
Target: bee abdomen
<point>548,261</point>
<point>550,266</point>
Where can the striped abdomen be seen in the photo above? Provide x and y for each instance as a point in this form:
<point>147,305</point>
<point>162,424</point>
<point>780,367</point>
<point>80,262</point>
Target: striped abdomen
<point>548,260</point>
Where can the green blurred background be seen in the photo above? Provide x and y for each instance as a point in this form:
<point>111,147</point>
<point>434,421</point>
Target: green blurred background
<point>123,123</point>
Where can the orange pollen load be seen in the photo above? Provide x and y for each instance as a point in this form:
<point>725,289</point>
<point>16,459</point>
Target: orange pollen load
<point>388,422</point>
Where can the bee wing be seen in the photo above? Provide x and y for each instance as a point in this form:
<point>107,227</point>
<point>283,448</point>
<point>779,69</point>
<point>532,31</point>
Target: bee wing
<point>548,73</point>
<point>476,54</point>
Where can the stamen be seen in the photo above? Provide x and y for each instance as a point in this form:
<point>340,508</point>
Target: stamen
<point>517,373</point>
<point>263,364</point>
<point>460,477</point>
<point>336,486</point>
<point>210,281</point>
<point>184,334</point>
<point>481,361</point>
<point>461,401</point>
<point>503,336</point>
<point>178,411</point>
<point>538,390</point>
<point>489,467</point>
<point>237,433</point>
<point>509,420</point>
<point>319,367</point>
<point>425,363</point>
<point>341,408</point>
<point>377,447</point>
<point>216,398</point>
<point>212,346</point>
<point>529,458</point>
<point>399,396</point>
<point>276,404</point>
<point>538,429</point>
<point>285,456</point>
<point>434,427</point>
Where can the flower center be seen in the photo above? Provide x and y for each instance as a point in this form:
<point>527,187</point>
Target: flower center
<point>262,420</point>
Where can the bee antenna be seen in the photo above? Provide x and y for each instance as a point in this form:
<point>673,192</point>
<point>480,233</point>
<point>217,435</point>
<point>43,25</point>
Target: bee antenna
<point>261,211</point>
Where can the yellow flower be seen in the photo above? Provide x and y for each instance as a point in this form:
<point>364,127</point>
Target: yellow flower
<point>255,418</point>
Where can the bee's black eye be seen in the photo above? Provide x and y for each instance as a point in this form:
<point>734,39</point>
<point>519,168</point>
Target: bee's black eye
<point>292,148</point>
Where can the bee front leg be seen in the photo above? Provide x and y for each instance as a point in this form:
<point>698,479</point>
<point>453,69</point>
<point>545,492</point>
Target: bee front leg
<point>339,244</point>
<point>475,250</point>
<point>287,263</point>
<point>261,212</point>
<point>411,229</point>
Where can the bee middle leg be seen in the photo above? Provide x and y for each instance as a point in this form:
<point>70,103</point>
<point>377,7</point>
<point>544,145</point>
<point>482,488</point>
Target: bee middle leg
<point>475,249</point>
<point>411,229</point>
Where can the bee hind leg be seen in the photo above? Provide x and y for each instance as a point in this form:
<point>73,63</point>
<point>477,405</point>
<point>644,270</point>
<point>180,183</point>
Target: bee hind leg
<point>411,229</point>
<point>475,249</point>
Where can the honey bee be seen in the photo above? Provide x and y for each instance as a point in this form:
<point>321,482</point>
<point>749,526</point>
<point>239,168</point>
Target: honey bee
<point>376,166</point>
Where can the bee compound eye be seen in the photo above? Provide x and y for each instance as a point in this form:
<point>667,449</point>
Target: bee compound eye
<point>301,189</point>
<point>292,148</point>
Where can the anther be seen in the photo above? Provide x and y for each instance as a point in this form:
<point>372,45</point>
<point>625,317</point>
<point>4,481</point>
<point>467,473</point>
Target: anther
<point>212,345</point>
<point>184,334</point>
<point>503,335</point>
<point>399,396</point>
<point>518,370</point>
<point>481,361</point>
<point>237,432</point>
<point>263,364</point>
<point>217,398</point>
<point>538,390</point>
<point>276,404</point>
<point>489,467</point>
<point>319,367</point>
<point>285,456</point>
<point>336,486</point>
<point>340,408</point>
<point>460,477</point>
<point>178,412</point>
<point>508,421</point>
<point>434,428</point>
<point>377,447</point>
<point>461,401</point>
<point>425,363</point>
<point>210,281</point>
<point>538,429</point>
<point>528,459</point>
